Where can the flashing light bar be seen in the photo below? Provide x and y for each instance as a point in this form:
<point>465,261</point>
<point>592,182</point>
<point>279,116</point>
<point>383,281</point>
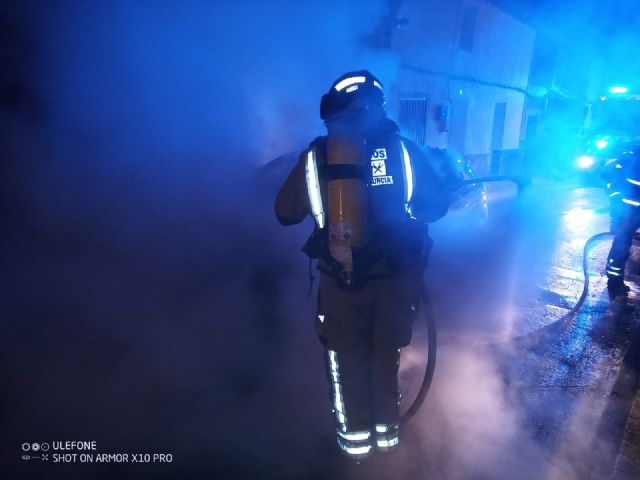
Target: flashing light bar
<point>619,89</point>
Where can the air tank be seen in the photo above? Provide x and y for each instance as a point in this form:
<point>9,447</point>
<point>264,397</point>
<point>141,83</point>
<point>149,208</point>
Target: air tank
<point>347,211</point>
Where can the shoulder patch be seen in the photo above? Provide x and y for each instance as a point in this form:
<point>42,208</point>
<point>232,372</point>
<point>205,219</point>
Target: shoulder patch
<point>379,154</point>
<point>386,180</point>
<point>379,168</point>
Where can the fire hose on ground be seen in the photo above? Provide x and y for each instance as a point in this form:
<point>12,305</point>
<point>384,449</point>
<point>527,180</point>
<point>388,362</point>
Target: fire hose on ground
<point>431,324</point>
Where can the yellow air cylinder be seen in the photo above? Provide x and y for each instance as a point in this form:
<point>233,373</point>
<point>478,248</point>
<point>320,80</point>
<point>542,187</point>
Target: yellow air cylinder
<point>347,216</point>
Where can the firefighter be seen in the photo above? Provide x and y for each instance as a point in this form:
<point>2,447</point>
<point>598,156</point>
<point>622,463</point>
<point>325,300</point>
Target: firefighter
<point>370,192</point>
<point>623,185</point>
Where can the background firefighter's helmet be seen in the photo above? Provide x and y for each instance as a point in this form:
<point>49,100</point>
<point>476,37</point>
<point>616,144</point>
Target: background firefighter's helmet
<point>358,90</point>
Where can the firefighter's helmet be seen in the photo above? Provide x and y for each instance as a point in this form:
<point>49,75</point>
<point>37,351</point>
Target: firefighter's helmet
<point>353,91</point>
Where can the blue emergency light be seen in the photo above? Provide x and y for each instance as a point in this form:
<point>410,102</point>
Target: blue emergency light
<point>586,161</point>
<point>619,89</point>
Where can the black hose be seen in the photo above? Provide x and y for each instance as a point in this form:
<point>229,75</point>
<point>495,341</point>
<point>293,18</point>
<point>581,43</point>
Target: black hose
<point>430,320</point>
<point>431,328</point>
<point>585,269</point>
<point>522,182</point>
<point>534,338</point>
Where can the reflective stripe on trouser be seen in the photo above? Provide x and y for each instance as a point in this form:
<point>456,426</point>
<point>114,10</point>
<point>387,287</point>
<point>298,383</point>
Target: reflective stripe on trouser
<point>387,436</point>
<point>614,269</point>
<point>355,443</point>
<point>364,387</point>
<point>365,399</point>
<point>362,331</point>
<point>623,227</point>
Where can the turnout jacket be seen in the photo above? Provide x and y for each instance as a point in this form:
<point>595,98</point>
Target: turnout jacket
<point>402,193</point>
<point>623,177</point>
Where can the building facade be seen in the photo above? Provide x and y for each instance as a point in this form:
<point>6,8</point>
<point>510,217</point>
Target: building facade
<point>464,70</point>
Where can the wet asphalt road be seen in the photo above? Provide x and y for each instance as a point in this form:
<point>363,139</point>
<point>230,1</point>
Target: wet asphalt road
<point>526,392</point>
<point>224,372</point>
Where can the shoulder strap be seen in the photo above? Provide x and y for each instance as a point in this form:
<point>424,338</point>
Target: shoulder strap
<point>312,177</point>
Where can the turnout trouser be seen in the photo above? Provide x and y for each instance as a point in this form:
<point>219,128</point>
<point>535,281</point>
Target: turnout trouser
<point>623,226</point>
<point>363,331</point>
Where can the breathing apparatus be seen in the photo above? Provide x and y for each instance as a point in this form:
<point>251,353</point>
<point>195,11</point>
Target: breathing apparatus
<point>347,212</point>
<point>354,102</point>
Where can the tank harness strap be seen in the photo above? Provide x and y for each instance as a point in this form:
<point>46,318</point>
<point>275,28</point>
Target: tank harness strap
<point>341,171</point>
<point>373,276</point>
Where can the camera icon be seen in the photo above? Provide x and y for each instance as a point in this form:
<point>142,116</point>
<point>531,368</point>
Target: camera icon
<point>35,446</point>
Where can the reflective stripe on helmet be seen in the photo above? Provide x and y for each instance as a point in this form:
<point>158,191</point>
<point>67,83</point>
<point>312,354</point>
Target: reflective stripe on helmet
<point>348,82</point>
<point>632,181</point>
<point>631,202</point>
<point>313,188</point>
<point>408,176</point>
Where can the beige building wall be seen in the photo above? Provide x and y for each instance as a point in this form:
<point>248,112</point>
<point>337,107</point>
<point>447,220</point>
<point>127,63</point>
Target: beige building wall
<point>474,86</point>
